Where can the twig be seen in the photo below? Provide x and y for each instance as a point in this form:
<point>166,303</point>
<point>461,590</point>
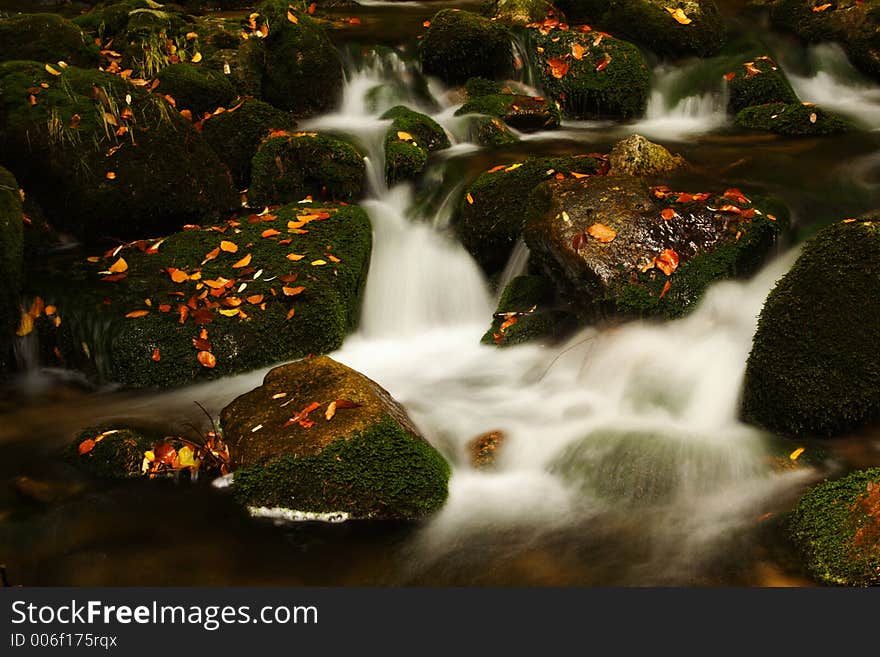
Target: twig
<point>563,352</point>
<point>210,418</point>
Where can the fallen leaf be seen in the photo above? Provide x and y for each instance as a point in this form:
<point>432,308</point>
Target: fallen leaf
<point>558,67</point>
<point>118,267</point>
<point>470,199</point>
<point>577,51</point>
<point>796,453</point>
<point>86,446</point>
<point>164,453</point>
<point>244,262</point>
<point>318,263</point>
<point>292,17</point>
<point>292,291</point>
<point>822,7</point>
<point>228,247</point>
<point>665,289</point>
<point>270,232</point>
<point>668,213</point>
<point>602,233</point>
<point>331,411</point>
<point>295,257</point>
<point>134,314</point>
<point>207,359</point>
<point>157,355</point>
<point>679,16</point>
<point>604,63</point>
<point>110,175</point>
<point>404,136</point>
<point>729,76</point>
<point>667,262</point>
<point>51,70</point>
<point>186,457</point>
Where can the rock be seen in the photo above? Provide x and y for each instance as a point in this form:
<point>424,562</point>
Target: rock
<point>614,246</point>
<point>92,181</point>
<point>527,310</point>
<point>110,452</point>
<point>489,131</point>
<point>46,38</point>
<point>206,303</point>
<point>490,225</point>
<point>794,119</point>
<point>236,136</point>
<point>11,230</point>
<point>591,75</point>
<point>288,168</point>
<point>409,140</point>
<point>636,156</point>
<point>814,368</point>
<point>460,45</point>
<point>483,448</point>
<point>836,527</point>
<point>518,12</point>
<point>758,81</point>
<point>523,113</point>
<point>46,491</point>
<point>367,459</point>
<point>198,90</point>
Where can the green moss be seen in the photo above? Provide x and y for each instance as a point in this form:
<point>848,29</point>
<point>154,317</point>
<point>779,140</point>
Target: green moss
<point>825,527</point>
<point>769,86</point>
<point>794,119</point>
<point>119,453</point>
<point>45,38</point>
<point>10,264</point>
<point>460,45</point>
<point>196,89</point>
<point>287,169</point>
<point>405,158</point>
<point>489,131</point>
<point>534,297</point>
<point>96,337</point>
<point>476,87</point>
<point>380,472</point>
<point>517,12</point>
<point>236,136</point>
<point>814,367</point>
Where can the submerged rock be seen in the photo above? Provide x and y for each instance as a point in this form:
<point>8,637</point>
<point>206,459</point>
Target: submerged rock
<point>527,311</point>
<point>46,38</point>
<point>796,119</point>
<point>636,156</point>
<point>409,140</point>
<point>814,368</point>
<point>11,260</point>
<point>318,436</point>
<point>110,452</point>
<point>483,449</point>
<point>523,113</point>
<point>836,527</point>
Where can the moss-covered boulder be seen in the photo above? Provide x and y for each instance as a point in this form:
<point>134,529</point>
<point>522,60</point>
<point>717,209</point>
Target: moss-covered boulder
<point>758,81</point>
<point>614,246</point>
<point>409,140</point>
<point>814,368</point>
<point>636,156</point>
<point>518,12</point>
<point>492,213</point>
<point>527,311</point>
<point>46,38</point>
<point>792,119</point>
<point>488,131</point>
<point>590,74</point>
<point>236,135</point>
<point>836,527</point>
<point>112,452</point>
<point>11,227</point>
<point>198,90</point>
<point>460,45</point>
<point>523,113</point>
<point>287,168</point>
<point>209,302</point>
<point>100,165</point>
<point>668,27</point>
<point>319,436</point>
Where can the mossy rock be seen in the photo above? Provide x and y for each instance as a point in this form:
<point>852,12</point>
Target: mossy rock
<point>518,12</point>
<point>758,81</point>
<point>489,131</point>
<point>636,156</point>
<point>366,458</point>
<point>67,151</point>
<point>198,90</point>
<point>11,229</point>
<point>114,452</point>
<point>267,299</point>
<point>289,168</point>
<point>610,80</point>
<point>236,136</point>
<point>460,45</point>
<point>613,248</point>
<point>532,301</point>
<point>792,119</point>
<point>490,226</point>
<point>46,38</point>
<point>814,368</point>
<point>301,69</point>
<point>407,153</point>
<point>650,24</point>
<point>243,66</point>
<point>836,527</point>
<point>523,113</point>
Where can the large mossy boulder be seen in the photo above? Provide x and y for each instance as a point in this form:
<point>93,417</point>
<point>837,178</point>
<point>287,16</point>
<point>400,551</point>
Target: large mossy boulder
<point>236,135</point>
<point>11,229</point>
<point>460,45</point>
<point>591,75</point>
<point>814,368</point>
<point>523,113</point>
<point>758,81</point>
<point>491,216</point>
<point>614,246</point>
<point>209,302</point>
<point>527,311</point>
<point>198,90</point>
<point>408,141</point>
<point>792,119</point>
<point>289,167</point>
<point>318,436</point>
<point>46,38</point>
<point>100,165</point>
<point>836,527</point>
<point>636,156</point>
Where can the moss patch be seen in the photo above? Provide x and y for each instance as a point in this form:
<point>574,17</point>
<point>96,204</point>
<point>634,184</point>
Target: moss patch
<point>757,82</point>
<point>195,89</point>
<point>46,38</point>
<point>408,141</point>
<point>793,119</point>
<point>532,298</point>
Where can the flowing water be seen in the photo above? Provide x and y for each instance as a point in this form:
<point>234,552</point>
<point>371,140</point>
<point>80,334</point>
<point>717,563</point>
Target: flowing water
<point>624,461</point>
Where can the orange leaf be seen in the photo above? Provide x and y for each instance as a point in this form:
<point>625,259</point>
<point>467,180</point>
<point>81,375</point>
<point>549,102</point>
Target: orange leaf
<point>577,51</point>
<point>157,355</point>
<point>165,453</point>
<point>295,257</point>
<point>666,287</point>
<point>604,63</point>
<point>470,199</point>
<point>822,7</point>
<point>177,275</point>
<point>229,247</point>
<point>86,446</point>
<point>207,359</point>
<point>602,233</point>
<point>290,313</point>
<point>244,262</point>
<point>134,314</point>
<point>119,266</point>
<point>679,16</point>
<point>292,291</point>
<point>292,18</point>
<point>729,76</point>
<point>311,9</point>
<point>558,67</point>
<point>271,232</point>
<point>668,213</point>
<point>667,262</point>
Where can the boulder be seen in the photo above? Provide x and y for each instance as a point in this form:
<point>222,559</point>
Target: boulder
<point>523,113</point>
<point>527,311</point>
<point>409,140</point>
<point>792,119</point>
<point>46,38</point>
<point>836,527</point>
<point>591,75</point>
<point>636,156</point>
<point>615,246</point>
<point>758,81</point>
<point>318,436</point>
<point>814,368</point>
<point>291,166</point>
<point>488,131</point>
<point>460,45</point>
<point>102,166</point>
<point>492,213</point>
<point>11,229</point>
<point>518,12</point>
<point>111,452</point>
<point>209,302</point>
<point>195,89</point>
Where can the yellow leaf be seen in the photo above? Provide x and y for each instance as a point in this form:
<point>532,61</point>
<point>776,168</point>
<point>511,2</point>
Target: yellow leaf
<point>331,411</point>
<point>514,166</point>
<point>404,136</point>
<point>197,58</point>
<point>679,15</point>
<point>119,266</point>
<point>796,453</point>
<point>318,263</point>
<point>292,17</point>
<point>186,457</point>
<point>470,199</point>
<point>51,70</point>
<point>244,262</point>
<point>26,326</point>
<point>229,312</point>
